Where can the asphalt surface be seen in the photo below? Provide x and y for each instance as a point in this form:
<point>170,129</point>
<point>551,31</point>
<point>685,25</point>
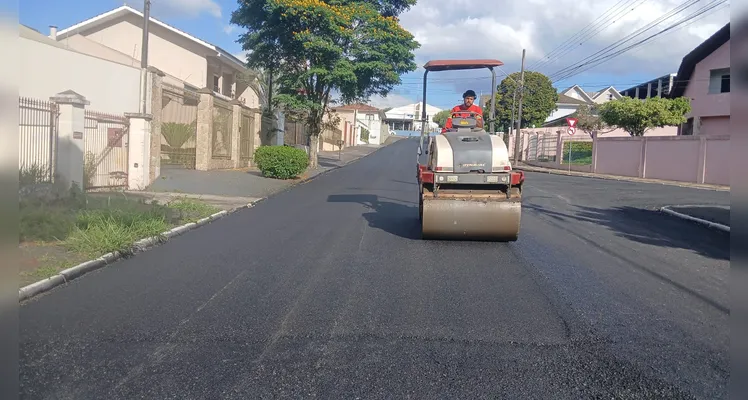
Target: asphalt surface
<point>325,291</point>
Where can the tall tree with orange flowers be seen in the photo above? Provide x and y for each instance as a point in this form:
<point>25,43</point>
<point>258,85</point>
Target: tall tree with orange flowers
<point>316,49</point>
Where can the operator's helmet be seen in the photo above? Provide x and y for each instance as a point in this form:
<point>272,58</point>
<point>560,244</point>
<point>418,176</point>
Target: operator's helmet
<point>469,93</point>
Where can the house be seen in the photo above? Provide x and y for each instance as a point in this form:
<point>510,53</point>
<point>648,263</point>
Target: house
<point>408,117</point>
<point>116,35</point>
<point>704,78</point>
<point>657,87</point>
<point>362,124</point>
<point>85,74</point>
<point>571,98</point>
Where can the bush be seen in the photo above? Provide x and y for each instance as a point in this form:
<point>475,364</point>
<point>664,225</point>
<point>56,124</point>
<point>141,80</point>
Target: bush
<point>281,162</point>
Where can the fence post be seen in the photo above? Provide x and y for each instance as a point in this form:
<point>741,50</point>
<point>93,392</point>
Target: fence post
<point>701,177</point>
<point>70,145</point>
<point>594,151</point>
<point>236,114</point>
<point>204,131</point>
<point>157,78</point>
<point>643,158</point>
<point>559,149</point>
<point>139,151</point>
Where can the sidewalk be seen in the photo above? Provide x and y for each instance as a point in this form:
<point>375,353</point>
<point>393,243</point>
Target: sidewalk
<point>531,168</point>
<point>228,189</point>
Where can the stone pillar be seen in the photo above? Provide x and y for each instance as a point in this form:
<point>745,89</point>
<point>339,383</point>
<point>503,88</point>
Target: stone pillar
<point>156,110</point>
<point>236,113</point>
<point>139,151</point>
<point>204,134</point>
<point>70,142</point>
<point>649,90</point>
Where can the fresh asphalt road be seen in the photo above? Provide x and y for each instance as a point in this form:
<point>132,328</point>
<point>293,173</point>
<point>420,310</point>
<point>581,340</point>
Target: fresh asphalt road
<point>325,291</point>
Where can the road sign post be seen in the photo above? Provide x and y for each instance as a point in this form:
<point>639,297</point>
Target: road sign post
<point>571,130</point>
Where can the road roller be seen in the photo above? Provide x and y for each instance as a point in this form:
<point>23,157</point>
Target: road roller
<point>468,188</point>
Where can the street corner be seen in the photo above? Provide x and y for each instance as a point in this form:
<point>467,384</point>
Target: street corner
<point>712,216</point>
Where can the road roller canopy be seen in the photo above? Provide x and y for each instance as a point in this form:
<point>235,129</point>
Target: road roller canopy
<point>452,65</point>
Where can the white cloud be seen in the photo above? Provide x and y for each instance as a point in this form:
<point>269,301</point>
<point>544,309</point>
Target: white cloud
<point>392,100</point>
<point>229,28</point>
<point>186,8</point>
<point>501,30</point>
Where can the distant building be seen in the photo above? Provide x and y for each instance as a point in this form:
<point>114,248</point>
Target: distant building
<point>408,117</point>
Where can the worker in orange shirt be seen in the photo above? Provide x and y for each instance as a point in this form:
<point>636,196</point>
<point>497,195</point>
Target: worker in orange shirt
<point>468,104</point>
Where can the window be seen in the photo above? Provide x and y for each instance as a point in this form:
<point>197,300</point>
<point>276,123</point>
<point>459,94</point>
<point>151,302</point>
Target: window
<point>216,84</point>
<point>719,81</point>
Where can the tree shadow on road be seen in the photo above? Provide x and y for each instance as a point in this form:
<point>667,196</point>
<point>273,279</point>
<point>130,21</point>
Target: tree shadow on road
<point>393,217</point>
<point>649,227</point>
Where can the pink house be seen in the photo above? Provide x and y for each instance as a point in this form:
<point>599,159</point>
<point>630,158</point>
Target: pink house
<point>704,77</point>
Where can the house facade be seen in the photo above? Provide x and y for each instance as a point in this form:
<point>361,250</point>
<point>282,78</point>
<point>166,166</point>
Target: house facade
<point>704,78</point>
<point>117,36</point>
<point>362,124</point>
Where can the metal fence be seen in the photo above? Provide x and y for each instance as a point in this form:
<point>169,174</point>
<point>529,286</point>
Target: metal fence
<point>179,126</point>
<point>222,127</point>
<point>37,140</point>
<point>105,147</point>
<point>542,147</point>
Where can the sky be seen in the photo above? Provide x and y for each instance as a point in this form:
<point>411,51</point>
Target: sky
<point>556,34</point>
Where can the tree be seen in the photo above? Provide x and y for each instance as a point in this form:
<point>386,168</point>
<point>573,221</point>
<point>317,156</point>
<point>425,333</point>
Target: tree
<point>636,116</point>
<point>356,48</point>
<point>538,102</point>
<point>441,117</point>
<point>588,119</point>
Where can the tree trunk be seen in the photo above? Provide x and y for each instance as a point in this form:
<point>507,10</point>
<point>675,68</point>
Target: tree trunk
<point>313,146</point>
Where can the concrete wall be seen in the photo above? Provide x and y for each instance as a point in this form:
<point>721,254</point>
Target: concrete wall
<point>697,159</point>
<point>51,70</point>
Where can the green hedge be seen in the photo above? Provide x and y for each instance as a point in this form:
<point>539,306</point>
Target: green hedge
<point>281,162</point>
<point>581,152</point>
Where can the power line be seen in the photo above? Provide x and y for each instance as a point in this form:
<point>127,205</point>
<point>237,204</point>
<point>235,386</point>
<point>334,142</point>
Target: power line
<point>565,49</point>
<point>629,37</point>
<point>602,59</point>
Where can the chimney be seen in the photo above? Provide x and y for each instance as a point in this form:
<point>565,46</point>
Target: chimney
<point>53,32</point>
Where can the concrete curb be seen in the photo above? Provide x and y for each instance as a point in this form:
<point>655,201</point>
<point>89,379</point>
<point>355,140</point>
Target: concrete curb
<point>710,224</point>
<point>623,178</point>
<point>63,277</point>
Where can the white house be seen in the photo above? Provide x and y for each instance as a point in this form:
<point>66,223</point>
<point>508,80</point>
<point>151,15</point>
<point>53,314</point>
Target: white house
<point>407,117</point>
<point>571,98</point>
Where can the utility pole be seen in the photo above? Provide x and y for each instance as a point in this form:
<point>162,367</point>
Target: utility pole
<point>518,132</point>
<point>144,57</point>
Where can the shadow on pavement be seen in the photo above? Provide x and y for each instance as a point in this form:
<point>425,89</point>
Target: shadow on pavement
<point>393,217</point>
<point>649,227</point>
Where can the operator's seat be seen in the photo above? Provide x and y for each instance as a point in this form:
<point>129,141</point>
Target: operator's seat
<point>464,124</point>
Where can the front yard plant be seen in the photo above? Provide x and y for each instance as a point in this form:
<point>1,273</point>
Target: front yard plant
<point>281,162</point>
